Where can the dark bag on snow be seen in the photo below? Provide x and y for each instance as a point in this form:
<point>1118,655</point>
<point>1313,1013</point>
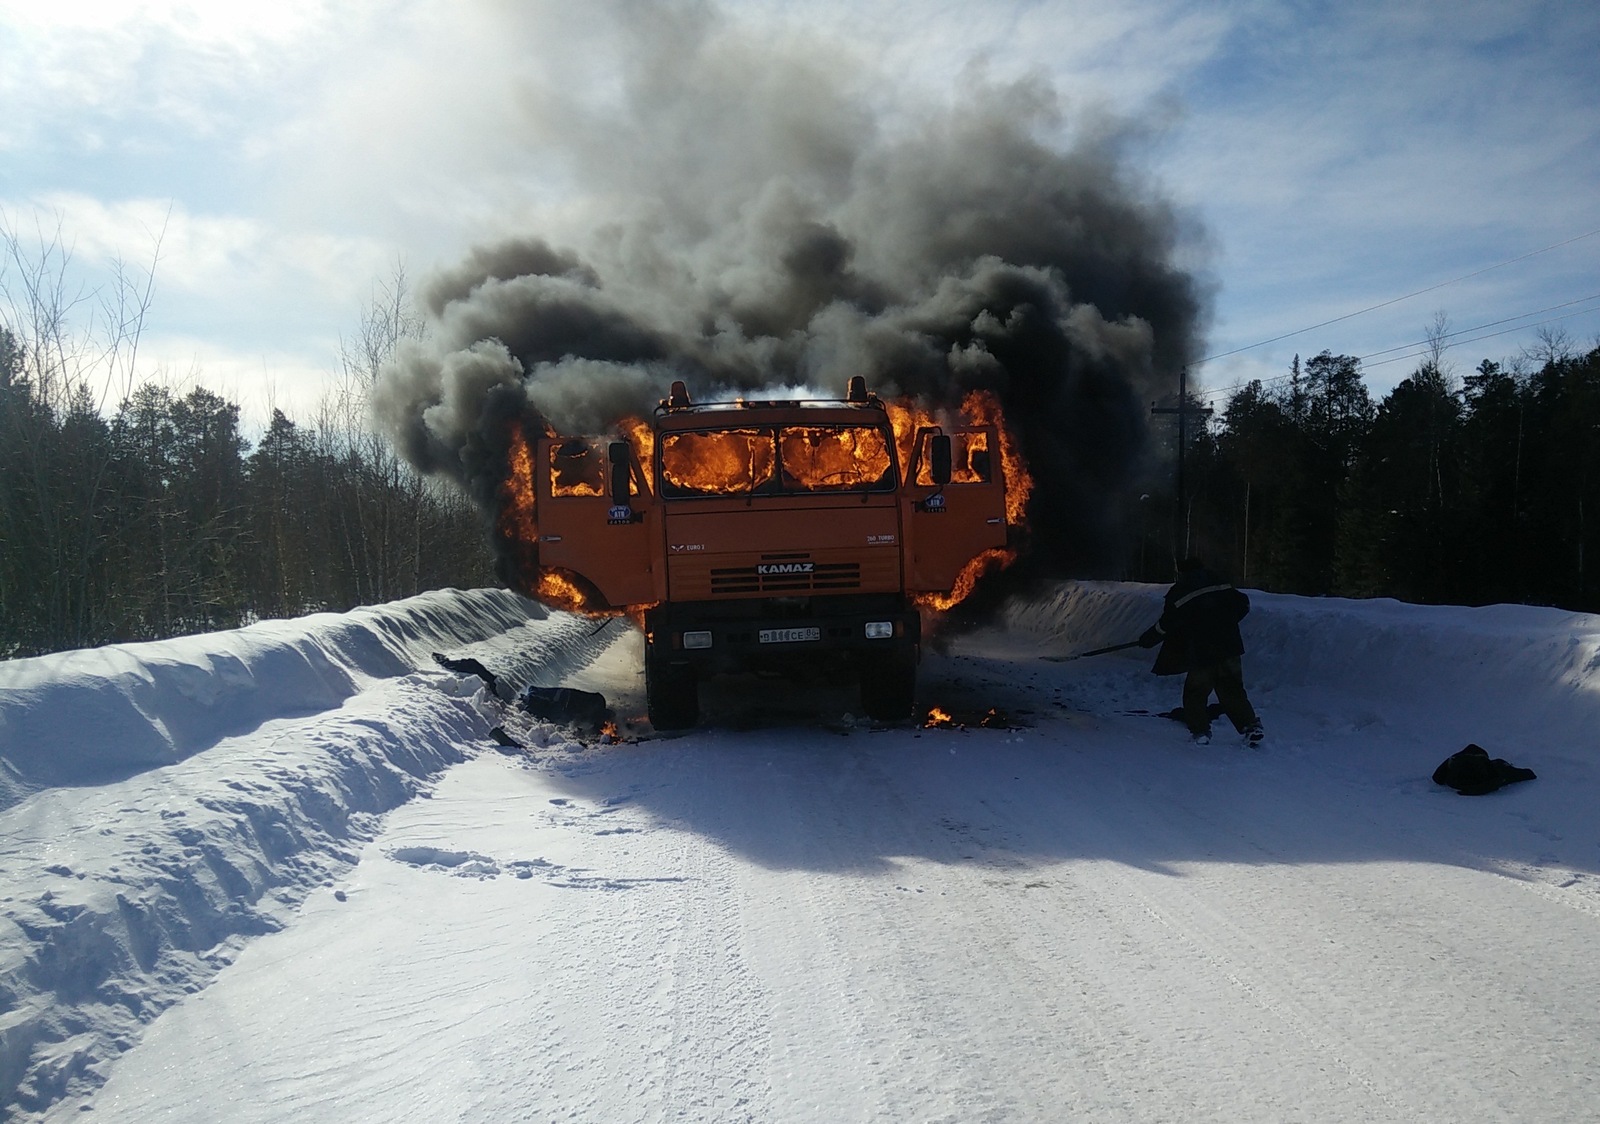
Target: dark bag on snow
<point>565,706</point>
<point>1472,772</point>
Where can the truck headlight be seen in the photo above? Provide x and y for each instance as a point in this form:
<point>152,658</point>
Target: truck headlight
<point>880,630</point>
<point>697,639</point>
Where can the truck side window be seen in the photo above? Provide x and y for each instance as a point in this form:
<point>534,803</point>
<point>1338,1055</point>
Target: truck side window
<point>835,458</point>
<point>722,462</point>
<point>577,468</point>
<point>970,460</point>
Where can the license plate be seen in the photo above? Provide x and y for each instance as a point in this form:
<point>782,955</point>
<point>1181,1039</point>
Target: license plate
<point>789,635</point>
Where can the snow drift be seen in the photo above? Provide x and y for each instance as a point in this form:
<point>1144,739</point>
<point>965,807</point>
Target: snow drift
<point>166,800</point>
<point>1517,673</point>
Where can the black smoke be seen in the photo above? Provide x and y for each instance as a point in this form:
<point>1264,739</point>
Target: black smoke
<point>762,222</point>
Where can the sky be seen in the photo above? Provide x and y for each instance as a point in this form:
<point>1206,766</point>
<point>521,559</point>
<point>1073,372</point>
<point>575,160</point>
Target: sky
<point>285,873</point>
<point>277,164</point>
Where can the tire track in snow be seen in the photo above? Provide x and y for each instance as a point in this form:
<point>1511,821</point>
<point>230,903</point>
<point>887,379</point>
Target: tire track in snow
<point>718,1041</point>
<point>914,1046</point>
<point>1372,968</point>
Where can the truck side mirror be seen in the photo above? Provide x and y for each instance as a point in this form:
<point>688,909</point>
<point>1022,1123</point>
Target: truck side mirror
<point>617,454</point>
<point>939,458</point>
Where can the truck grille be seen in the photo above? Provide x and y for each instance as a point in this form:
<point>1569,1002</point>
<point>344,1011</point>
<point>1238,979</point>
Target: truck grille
<point>785,576</point>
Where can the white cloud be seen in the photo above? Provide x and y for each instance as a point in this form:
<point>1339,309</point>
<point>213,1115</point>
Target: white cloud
<point>201,20</point>
<point>257,381</point>
<point>219,257</point>
<point>80,72</point>
<point>250,310</point>
<point>1338,158</point>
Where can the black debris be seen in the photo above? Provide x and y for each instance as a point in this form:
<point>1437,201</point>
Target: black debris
<point>566,706</point>
<point>469,666</point>
<point>1472,772</point>
<point>502,738</point>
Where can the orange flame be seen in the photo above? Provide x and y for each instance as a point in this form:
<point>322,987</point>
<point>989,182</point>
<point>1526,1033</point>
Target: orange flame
<point>743,459</point>
<point>518,525</point>
<point>577,468</point>
<point>907,416</point>
<point>558,591</point>
<point>638,431</point>
<point>979,407</point>
<point>990,561</point>
<point>982,407</point>
<point>518,512</point>
<point>938,719</point>
<point>820,458</point>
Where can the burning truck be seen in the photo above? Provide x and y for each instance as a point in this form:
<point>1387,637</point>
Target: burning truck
<point>768,535</point>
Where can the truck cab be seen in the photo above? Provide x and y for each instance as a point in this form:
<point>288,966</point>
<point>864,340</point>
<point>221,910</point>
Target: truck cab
<point>772,536</point>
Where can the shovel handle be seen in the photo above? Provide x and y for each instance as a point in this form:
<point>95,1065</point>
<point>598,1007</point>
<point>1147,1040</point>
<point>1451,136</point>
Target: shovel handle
<point>1094,652</point>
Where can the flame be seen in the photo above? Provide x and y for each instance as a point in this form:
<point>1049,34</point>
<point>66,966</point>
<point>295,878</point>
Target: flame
<point>745,459</point>
<point>609,733</point>
<point>577,468</point>
<point>979,407</point>
<point>993,720</point>
<point>821,458</point>
<point>643,437</point>
<point>720,462</point>
<point>558,591</point>
<point>907,416</point>
<point>938,719</point>
<point>982,407</point>
<point>739,460</point>
<point>518,527</point>
<point>518,510</point>
<point>989,561</point>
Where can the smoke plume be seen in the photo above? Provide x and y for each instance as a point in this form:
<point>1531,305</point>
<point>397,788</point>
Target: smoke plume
<point>763,223</point>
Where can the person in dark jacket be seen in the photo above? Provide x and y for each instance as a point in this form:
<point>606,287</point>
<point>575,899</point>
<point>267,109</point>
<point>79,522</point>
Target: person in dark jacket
<point>1199,637</point>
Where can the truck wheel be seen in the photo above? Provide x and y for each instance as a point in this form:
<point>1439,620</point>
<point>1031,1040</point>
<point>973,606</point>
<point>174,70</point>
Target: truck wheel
<point>889,687</point>
<point>671,695</point>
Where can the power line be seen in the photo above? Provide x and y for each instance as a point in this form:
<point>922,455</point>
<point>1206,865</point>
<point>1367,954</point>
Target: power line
<point>1480,327</point>
<point>1487,335</point>
<point>1408,296</point>
<point>1275,379</point>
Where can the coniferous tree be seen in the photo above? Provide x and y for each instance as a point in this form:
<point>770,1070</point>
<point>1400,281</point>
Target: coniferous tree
<point>1399,533</point>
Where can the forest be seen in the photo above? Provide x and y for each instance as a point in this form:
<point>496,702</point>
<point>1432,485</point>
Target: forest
<point>153,513</point>
<point>1468,491</point>
<point>157,516</point>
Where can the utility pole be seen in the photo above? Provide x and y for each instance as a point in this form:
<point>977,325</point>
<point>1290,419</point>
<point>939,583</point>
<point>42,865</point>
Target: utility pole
<point>1183,410</point>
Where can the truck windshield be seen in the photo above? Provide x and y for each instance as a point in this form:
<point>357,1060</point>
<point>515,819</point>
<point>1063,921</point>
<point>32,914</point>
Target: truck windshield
<point>790,459</point>
<point>722,462</point>
<point>834,458</point>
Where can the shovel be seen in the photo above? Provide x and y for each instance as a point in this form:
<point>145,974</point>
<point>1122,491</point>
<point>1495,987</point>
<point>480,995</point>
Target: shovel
<point>1095,652</point>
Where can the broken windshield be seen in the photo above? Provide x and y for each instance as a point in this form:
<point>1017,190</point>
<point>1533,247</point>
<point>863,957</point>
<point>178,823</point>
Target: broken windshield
<point>791,459</point>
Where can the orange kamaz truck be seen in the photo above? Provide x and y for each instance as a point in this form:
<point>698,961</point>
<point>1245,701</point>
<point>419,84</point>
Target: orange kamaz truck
<point>762,535</point>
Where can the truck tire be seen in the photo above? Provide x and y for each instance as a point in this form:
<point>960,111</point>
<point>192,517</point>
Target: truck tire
<point>672,696</point>
<point>889,687</point>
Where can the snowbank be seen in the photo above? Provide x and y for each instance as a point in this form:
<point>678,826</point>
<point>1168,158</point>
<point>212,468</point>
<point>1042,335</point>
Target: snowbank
<point>164,802</point>
<point>100,713</point>
<point>1500,671</point>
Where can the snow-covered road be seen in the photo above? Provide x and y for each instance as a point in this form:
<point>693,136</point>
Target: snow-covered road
<point>788,916</point>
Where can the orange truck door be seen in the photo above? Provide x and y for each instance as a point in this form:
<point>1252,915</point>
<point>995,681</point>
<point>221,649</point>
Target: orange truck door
<point>947,527</point>
<point>582,532</point>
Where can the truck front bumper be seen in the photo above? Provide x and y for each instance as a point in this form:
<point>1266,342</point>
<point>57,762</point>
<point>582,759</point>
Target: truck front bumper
<point>721,637</point>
